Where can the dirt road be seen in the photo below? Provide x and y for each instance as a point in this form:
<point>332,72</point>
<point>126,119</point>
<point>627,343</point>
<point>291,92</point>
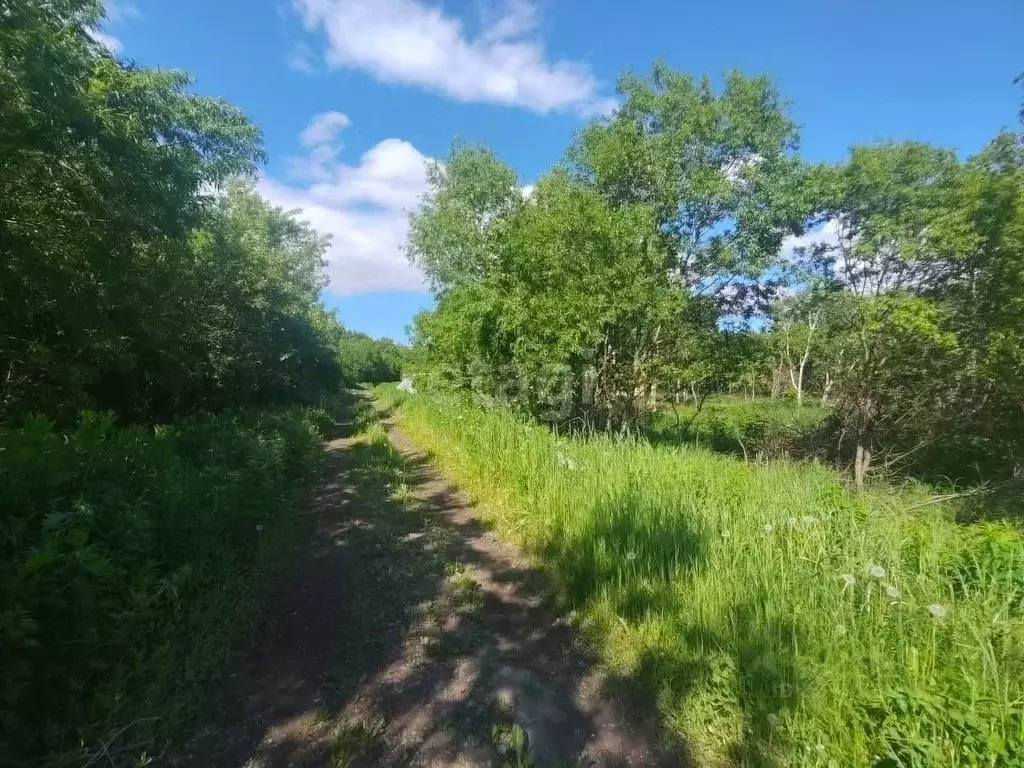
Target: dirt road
<point>405,634</point>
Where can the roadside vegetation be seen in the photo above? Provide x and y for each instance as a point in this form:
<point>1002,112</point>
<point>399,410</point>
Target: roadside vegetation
<point>777,617</point>
<point>756,428</point>
<point>761,418</point>
<point>166,373</point>
<point>131,557</point>
<point>683,248</point>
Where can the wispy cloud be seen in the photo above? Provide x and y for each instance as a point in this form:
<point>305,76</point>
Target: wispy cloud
<point>414,43</point>
<point>826,234</point>
<point>324,129</point>
<point>107,40</point>
<point>301,59</point>
<point>115,12</point>
<point>364,207</point>
<point>118,11</point>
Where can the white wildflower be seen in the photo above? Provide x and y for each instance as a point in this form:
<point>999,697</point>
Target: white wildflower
<point>876,571</point>
<point>565,461</point>
<point>773,720</point>
<point>768,527</point>
<point>937,610</point>
<point>892,592</point>
<point>848,579</point>
<point>808,519</point>
<point>259,527</point>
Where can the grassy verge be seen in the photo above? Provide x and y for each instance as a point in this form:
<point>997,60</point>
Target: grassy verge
<point>130,558</point>
<point>777,619</point>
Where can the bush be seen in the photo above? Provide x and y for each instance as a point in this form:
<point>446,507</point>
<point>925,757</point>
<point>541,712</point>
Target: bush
<point>128,558</point>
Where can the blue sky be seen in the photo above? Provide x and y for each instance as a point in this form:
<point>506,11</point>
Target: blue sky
<point>355,96</point>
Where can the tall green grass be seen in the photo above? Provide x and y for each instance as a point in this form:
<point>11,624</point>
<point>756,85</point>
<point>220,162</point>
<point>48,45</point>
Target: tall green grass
<point>777,619</point>
<point>128,560</point>
<point>761,428</point>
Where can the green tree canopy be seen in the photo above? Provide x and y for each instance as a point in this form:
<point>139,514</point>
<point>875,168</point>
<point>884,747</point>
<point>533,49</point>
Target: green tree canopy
<point>718,170</point>
<point>138,272</point>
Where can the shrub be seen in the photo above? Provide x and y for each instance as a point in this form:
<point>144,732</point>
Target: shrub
<point>128,558</point>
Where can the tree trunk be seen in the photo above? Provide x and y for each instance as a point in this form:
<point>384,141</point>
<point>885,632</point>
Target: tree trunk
<point>798,382</point>
<point>865,443</point>
<point>862,462</point>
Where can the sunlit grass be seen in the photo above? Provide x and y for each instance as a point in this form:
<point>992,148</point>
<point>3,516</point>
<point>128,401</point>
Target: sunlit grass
<point>757,428</point>
<point>777,619</point>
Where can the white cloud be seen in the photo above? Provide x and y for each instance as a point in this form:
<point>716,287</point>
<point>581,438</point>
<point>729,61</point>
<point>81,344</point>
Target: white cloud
<point>364,207</point>
<point>324,129</point>
<point>826,234</point>
<point>114,12</point>
<point>412,42</point>
<point>108,41</point>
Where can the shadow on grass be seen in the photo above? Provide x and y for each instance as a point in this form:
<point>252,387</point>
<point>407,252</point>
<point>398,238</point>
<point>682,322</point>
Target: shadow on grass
<point>634,557</point>
<point>351,413</point>
<point>747,678</point>
<point>627,543</point>
<point>979,484</point>
<point>775,435</point>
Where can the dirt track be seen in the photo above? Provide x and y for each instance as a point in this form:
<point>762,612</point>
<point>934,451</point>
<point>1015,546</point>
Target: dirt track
<point>406,634</point>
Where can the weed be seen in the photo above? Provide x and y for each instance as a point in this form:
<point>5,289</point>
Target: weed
<point>353,740</point>
<point>513,744</point>
<point>129,558</point>
<point>462,587</point>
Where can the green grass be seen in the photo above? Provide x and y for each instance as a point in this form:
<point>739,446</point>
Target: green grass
<point>765,428</point>
<point>720,588</point>
<point>129,560</point>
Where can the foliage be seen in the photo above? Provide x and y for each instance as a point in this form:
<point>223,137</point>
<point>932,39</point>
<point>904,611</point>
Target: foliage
<point>622,282</point>
<point>137,276</point>
<point>602,288</point>
<point>143,278</point>
<point>717,170</point>
<point>365,359</point>
<point>130,558</point>
<point>774,618</point>
<point>452,236</point>
<point>900,216</point>
<point>985,415</point>
<point>921,270</point>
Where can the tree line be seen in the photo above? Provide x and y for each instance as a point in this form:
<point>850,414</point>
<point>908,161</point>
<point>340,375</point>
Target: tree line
<point>161,339</point>
<point>648,265</point>
<point>141,273</point>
